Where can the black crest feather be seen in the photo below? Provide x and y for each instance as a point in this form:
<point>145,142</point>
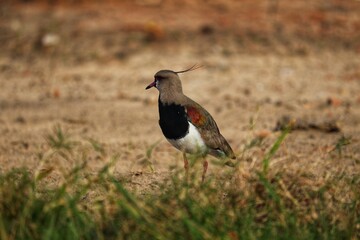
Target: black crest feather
<point>192,68</point>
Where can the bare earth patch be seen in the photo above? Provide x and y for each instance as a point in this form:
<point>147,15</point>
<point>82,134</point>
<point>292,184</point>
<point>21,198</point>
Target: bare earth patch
<point>85,69</point>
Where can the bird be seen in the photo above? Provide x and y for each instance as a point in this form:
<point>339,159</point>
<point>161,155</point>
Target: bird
<point>186,124</point>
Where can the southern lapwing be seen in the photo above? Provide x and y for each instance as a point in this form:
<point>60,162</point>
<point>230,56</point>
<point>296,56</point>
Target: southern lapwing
<point>186,124</point>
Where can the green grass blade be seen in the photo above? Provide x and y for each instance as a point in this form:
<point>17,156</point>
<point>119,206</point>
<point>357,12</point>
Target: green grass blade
<point>274,149</point>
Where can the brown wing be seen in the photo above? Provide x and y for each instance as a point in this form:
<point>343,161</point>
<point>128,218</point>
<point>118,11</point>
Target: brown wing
<point>208,129</point>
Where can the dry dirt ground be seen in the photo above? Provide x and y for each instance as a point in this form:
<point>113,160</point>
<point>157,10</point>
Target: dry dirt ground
<point>85,67</point>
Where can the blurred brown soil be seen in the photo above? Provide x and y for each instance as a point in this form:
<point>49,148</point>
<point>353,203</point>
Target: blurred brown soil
<point>84,66</point>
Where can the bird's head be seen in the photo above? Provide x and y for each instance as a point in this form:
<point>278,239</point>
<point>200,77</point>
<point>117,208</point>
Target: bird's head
<point>168,80</point>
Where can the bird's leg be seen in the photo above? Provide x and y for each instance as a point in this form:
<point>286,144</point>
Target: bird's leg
<point>205,167</point>
<point>186,164</point>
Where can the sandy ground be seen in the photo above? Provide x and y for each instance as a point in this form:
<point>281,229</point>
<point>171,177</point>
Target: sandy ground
<point>92,83</point>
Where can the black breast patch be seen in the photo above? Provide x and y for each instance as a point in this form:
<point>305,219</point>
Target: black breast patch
<point>173,120</point>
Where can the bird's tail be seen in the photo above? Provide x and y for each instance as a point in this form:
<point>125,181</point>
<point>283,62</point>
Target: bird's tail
<point>224,150</point>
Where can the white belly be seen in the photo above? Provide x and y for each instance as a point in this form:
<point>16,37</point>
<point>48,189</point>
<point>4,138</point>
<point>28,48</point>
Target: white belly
<point>191,143</point>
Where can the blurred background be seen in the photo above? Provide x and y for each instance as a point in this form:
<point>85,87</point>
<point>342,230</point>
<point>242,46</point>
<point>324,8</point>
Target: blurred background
<point>85,64</point>
<point>122,27</point>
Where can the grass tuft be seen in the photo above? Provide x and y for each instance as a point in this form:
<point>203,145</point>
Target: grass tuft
<point>88,205</point>
<point>59,140</point>
<point>341,143</point>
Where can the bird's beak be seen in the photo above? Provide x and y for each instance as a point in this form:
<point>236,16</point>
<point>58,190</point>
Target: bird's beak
<point>151,85</point>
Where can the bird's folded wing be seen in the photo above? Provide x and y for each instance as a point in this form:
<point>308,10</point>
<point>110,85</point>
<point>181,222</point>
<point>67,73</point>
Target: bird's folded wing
<point>208,129</point>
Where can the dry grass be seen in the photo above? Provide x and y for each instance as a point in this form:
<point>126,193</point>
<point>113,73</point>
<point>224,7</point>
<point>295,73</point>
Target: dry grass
<point>264,204</point>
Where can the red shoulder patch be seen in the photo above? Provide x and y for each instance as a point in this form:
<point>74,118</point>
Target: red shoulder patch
<point>195,116</point>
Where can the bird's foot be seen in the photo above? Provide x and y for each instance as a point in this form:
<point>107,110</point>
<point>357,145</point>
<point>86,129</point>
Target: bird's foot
<point>205,167</point>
